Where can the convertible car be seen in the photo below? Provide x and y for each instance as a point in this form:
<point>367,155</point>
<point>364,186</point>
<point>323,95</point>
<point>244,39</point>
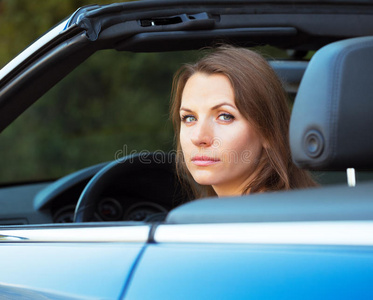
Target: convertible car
<point>122,227</point>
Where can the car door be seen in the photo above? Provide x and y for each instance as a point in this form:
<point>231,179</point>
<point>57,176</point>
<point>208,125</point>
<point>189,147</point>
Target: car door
<point>69,261</point>
<point>143,260</point>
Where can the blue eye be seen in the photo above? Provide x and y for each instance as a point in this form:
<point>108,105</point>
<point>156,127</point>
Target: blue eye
<point>188,119</point>
<point>225,117</point>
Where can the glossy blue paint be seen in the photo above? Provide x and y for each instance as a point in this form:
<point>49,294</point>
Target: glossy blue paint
<point>67,270</point>
<point>193,271</point>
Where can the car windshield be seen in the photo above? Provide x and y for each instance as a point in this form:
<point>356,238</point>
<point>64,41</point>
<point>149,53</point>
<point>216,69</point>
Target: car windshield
<point>113,105</point>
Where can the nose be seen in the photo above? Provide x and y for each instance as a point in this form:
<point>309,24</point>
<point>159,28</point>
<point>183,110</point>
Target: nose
<point>203,134</point>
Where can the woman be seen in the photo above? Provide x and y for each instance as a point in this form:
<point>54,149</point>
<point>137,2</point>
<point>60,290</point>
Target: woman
<point>231,121</point>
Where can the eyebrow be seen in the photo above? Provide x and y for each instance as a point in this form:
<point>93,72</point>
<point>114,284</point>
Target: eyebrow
<point>213,108</point>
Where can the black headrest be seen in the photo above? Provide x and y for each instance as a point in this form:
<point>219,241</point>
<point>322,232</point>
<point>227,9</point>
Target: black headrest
<point>331,126</point>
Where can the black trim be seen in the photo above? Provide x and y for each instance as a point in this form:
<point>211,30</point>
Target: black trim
<point>180,40</point>
<point>153,229</point>
<point>40,76</point>
<point>39,54</point>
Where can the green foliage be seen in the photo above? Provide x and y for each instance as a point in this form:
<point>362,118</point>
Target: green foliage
<point>22,21</point>
<point>113,104</point>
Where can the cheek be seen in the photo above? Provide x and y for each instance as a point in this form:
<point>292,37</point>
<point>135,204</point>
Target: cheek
<point>245,144</point>
<point>255,147</point>
<point>183,140</point>
<point>235,138</point>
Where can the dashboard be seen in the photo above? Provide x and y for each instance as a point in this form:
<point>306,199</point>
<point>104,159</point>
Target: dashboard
<point>136,194</point>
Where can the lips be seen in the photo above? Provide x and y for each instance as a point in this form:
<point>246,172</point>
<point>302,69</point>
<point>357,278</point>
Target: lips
<point>204,160</point>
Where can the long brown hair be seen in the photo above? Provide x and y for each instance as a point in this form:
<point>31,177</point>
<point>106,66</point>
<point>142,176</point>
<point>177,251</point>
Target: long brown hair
<point>261,99</point>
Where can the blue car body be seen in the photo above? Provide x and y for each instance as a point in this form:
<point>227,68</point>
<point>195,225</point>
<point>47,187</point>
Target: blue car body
<point>304,244</point>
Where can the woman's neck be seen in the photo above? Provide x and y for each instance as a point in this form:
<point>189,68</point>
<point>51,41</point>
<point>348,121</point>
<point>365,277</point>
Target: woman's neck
<point>235,188</point>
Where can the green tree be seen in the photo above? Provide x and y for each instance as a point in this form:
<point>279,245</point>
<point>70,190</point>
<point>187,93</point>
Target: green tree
<point>115,101</point>
<point>22,21</point>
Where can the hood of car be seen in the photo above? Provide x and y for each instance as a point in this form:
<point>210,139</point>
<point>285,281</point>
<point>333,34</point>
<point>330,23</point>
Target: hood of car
<point>147,26</point>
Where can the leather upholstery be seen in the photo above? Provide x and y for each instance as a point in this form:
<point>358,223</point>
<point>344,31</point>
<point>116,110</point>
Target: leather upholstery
<point>332,119</point>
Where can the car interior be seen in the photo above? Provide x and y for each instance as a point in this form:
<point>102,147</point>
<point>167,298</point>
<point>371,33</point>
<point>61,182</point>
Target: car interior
<point>328,130</point>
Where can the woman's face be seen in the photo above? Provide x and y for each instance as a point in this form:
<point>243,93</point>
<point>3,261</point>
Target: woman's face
<point>220,147</point>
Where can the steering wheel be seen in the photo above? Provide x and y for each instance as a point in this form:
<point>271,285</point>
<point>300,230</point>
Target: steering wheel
<point>160,186</point>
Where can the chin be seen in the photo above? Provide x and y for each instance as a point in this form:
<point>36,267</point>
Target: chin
<point>205,180</point>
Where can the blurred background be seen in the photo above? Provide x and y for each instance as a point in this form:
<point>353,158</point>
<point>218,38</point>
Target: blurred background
<point>113,105</point>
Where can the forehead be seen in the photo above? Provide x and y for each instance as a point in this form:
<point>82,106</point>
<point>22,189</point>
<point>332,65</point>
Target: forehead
<point>207,89</point>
